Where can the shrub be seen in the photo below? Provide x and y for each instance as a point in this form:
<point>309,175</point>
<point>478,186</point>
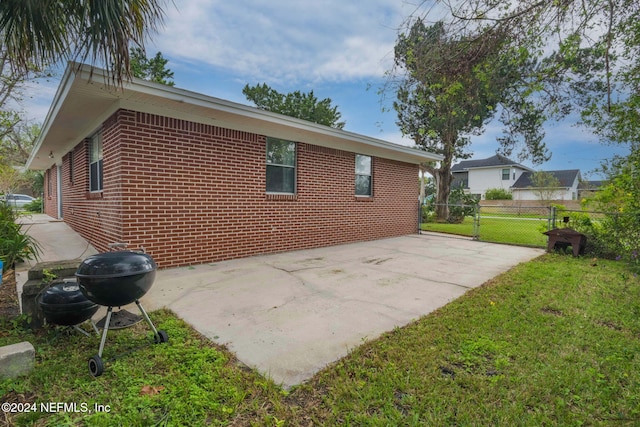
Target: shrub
<point>460,205</point>
<point>15,244</point>
<point>608,235</point>
<point>498,194</point>
<point>34,206</point>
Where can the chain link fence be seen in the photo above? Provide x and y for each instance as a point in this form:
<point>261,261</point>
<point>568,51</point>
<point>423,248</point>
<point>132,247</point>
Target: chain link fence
<point>608,233</point>
<point>518,225</point>
<point>611,235</point>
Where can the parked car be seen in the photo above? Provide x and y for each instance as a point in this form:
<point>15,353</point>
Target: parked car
<point>17,200</point>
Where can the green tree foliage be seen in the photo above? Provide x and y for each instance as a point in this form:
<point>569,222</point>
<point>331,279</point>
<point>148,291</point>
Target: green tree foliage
<point>12,84</point>
<point>304,106</point>
<point>620,198</point>
<point>586,55</point>
<point>450,87</point>
<point>10,178</point>
<point>39,33</point>
<point>18,142</point>
<point>154,69</point>
<point>15,147</point>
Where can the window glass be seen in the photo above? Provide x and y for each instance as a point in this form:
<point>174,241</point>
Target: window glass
<point>363,165</point>
<point>281,152</point>
<point>71,166</point>
<point>363,175</point>
<point>95,163</point>
<point>281,166</point>
<point>505,174</point>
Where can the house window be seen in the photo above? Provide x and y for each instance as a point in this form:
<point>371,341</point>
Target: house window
<point>95,163</point>
<point>281,166</point>
<point>363,175</point>
<point>505,174</point>
<point>71,167</point>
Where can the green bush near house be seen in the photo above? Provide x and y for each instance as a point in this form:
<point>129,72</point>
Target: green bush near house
<point>35,206</point>
<point>498,194</point>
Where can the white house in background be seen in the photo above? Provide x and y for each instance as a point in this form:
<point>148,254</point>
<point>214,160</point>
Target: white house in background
<point>569,180</point>
<point>478,176</point>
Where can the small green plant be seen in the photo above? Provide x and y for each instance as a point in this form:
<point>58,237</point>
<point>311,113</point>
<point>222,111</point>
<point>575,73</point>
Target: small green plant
<point>48,276</point>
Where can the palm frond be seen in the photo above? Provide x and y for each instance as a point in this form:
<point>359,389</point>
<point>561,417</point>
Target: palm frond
<point>99,32</point>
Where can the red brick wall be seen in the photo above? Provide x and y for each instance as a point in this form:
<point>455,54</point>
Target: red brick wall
<point>96,216</point>
<point>192,193</point>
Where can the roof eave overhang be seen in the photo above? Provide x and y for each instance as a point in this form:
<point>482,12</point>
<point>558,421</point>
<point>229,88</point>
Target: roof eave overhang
<point>84,101</point>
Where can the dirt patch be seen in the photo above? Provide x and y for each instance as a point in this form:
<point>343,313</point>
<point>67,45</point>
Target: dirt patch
<point>9,307</point>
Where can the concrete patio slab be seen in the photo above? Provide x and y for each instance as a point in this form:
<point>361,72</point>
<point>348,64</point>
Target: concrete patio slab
<point>289,315</point>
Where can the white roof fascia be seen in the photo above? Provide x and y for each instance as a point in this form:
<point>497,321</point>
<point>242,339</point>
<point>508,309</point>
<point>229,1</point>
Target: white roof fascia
<point>144,96</point>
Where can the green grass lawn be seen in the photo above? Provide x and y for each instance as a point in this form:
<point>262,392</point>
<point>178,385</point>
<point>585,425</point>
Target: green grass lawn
<point>551,342</point>
<point>499,229</point>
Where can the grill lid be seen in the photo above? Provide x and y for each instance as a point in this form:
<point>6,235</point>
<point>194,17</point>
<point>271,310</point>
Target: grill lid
<point>116,264</point>
<point>63,293</point>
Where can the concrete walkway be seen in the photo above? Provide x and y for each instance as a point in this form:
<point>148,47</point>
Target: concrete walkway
<point>288,315</point>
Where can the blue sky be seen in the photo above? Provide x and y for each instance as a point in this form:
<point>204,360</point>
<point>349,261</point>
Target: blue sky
<point>338,49</point>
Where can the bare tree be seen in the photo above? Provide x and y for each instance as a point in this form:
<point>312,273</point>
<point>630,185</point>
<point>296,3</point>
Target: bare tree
<point>545,185</point>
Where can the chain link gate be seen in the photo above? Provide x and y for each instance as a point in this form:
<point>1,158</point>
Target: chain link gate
<point>519,225</point>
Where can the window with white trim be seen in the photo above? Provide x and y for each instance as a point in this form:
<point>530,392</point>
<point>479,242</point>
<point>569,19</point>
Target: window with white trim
<point>281,166</point>
<point>505,174</point>
<point>95,162</point>
<point>363,175</point>
<point>71,167</point>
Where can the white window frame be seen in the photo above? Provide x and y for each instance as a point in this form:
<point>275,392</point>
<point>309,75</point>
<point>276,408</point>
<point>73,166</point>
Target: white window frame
<point>271,164</point>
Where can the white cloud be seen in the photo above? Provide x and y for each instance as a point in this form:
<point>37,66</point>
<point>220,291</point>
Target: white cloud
<point>36,99</point>
<point>285,40</point>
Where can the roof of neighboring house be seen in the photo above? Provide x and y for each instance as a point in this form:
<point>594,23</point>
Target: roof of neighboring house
<point>84,101</point>
<point>591,185</point>
<point>495,161</point>
<point>566,178</point>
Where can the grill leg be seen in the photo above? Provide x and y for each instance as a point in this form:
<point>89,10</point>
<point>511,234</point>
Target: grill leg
<point>105,330</point>
<point>146,317</point>
<point>77,328</point>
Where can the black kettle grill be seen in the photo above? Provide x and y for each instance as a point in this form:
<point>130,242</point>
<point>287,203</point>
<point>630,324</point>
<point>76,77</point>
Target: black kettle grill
<point>114,279</point>
<point>64,304</point>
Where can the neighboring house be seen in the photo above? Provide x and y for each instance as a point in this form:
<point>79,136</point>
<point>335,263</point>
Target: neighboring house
<point>195,179</point>
<point>477,176</point>
<point>589,188</point>
<point>523,188</point>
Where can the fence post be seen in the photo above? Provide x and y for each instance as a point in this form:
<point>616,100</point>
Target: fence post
<point>476,222</point>
<point>552,218</point>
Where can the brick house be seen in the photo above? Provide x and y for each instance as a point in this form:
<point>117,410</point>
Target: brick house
<point>195,179</point>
